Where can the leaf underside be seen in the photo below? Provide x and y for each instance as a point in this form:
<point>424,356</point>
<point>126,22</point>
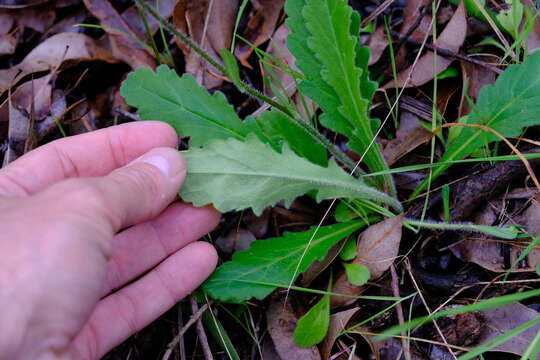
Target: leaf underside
<point>235,175</point>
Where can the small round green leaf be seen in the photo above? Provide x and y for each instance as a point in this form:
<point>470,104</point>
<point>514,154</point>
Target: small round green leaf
<point>357,274</point>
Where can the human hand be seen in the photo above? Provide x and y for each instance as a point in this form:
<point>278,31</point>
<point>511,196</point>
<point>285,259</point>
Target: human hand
<point>61,208</point>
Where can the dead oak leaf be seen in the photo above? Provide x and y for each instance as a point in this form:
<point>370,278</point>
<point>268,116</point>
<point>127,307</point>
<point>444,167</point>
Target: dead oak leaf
<point>423,71</point>
<point>378,246</point>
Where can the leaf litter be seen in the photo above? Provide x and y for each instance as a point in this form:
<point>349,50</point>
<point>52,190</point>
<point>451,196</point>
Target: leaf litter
<point>56,80</point>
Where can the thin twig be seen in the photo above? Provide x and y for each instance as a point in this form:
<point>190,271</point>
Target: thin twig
<point>200,329</point>
<point>448,53</point>
<point>439,331</point>
<point>381,8</point>
<point>399,311</point>
<point>176,340</point>
<point>413,27</point>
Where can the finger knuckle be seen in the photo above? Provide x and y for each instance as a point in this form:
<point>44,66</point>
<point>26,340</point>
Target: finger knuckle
<point>143,182</point>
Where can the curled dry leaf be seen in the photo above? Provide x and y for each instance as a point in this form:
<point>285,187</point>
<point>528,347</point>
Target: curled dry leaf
<point>210,24</point>
<point>52,53</point>
<point>119,31</point>
<point>378,246</point>
<point>451,38</point>
<point>500,320</point>
<point>410,135</point>
<point>281,323</point>
<point>261,25</point>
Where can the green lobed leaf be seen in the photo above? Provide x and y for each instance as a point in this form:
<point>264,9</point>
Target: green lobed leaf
<point>313,326</point>
<point>273,261</point>
<point>507,106</point>
<point>192,111</point>
<point>182,103</point>
<point>335,67</point>
<point>235,175</point>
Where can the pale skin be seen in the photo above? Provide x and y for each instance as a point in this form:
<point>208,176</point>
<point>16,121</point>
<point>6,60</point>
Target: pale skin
<point>66,266</point>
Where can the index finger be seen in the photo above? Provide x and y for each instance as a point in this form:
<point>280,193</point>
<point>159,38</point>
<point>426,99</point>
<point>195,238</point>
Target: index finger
<point>92,154</point>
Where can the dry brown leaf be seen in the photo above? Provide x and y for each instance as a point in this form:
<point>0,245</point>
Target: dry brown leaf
<point>410,135</point>
<point>410,18</point>
<point>269,350</point>
<point>210,23</point>
<point>132,17</point>
<point>533,39</point>
<point>31,102</point>
<point>68,24</point>
<point>317,267</point>
<point>378,246</point>
<point>502,319</point>
<point>38,18</point>
<point>122,46</point>
<point>6,22</point>
<point>377,43</point>
<point>532,217</point>
<point>261,25</point>
<point>52,53</point>
<point>281,324</point>
<point>17,4</point>
<point>476,77</point>
<point>490,253</point>
<point>338,323</point>
<point>8,44</point>
<point>451,38</point>
<point>236,240</point>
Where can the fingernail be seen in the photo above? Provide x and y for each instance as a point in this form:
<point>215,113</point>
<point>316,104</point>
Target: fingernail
<point>158,161</point>
<point>167,160</point>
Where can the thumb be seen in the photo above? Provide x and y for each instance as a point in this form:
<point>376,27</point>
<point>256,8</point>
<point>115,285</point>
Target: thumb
<point>129,195</point>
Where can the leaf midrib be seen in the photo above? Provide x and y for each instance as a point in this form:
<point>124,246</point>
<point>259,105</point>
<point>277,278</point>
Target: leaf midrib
<point>338,183</point>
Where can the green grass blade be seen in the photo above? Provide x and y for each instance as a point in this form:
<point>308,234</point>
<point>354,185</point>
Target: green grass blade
<point>478,306</point>
<point>499,340</point>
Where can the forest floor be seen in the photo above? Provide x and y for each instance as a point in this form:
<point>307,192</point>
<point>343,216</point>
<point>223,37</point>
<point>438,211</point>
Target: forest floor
<point>60,78</point>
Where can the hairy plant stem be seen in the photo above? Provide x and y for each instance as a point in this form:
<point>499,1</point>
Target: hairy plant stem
<point>254,93</point>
